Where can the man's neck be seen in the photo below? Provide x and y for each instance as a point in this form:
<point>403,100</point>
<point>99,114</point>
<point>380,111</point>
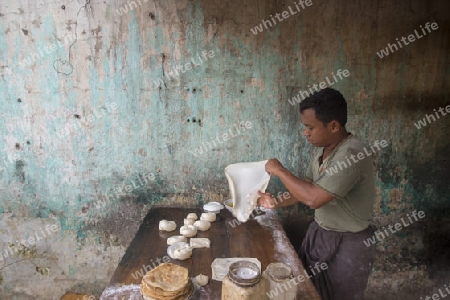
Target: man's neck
<point>339,138</point>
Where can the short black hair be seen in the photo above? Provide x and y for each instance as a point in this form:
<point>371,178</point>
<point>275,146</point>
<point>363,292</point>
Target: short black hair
<point>329,105</point>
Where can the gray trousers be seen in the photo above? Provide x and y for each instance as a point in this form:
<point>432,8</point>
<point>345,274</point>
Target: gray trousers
<point>348,258</point>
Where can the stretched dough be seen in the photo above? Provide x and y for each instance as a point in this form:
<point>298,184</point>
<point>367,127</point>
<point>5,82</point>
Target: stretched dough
<point>192,216</point>
<point>180,250</point>
<point>210,217</point>
<point>176,239</point>
<point>202,225</point>
<point>245,180</point>
<point>202,280</point>
<point>167,225</point>
<point>188,230</point>
<point>200,243</point>
<point>189,221</point>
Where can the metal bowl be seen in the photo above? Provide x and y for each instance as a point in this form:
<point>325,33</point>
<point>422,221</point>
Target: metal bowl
<point>244,273</point>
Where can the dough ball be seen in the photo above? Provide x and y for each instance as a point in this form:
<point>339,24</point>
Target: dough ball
<point>210,217</point>
<point>202,280</point>
<point>167,225</point>
<point>202,225</point>
<point>180,250</point>
<point>176,239</point>
<point>189,221</point>
<point>200,243</point>
<point>188,230</point>
<point>192,216</point>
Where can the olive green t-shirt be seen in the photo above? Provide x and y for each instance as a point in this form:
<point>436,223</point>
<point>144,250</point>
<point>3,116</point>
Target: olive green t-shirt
<point>348,174</point>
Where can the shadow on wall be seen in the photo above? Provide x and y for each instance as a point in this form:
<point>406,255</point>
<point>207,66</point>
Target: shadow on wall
<point>409,102</point>
<point>432,173</point>
<point>296,228</point>
<point>436,239</point>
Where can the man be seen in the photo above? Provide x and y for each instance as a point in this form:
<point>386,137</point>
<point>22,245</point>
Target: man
<point>341,190</point>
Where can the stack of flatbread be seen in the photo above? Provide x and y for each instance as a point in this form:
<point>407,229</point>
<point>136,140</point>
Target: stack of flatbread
<point>167,281</point>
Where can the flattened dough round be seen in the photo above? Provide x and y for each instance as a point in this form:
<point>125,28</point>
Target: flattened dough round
<point>167,277</point>
<point>167,225</point>
<point>188,230</point>
<point>192,216</point>
<point>202,280</point>
<point>180,250</point>
<point>210,217</point>
<point>176,239</point>
<point>189,221</point>
<point>202,225</point>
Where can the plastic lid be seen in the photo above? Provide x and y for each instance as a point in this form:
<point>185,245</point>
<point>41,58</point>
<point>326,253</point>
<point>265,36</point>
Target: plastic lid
<point>212,206</point>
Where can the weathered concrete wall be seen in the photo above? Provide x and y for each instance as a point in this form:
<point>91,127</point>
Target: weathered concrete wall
<point>85,112</point>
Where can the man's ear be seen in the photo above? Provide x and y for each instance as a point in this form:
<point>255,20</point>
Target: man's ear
<point>334,126</point>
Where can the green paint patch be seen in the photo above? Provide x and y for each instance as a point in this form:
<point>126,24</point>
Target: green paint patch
<point>72,271</point>
<point>81,232</point>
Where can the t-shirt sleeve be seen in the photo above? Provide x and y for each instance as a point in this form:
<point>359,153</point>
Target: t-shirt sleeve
<point>340,177</point>
<point>309,173</point>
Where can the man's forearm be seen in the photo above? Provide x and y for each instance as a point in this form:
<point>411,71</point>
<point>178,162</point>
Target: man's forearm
<point>285,200</point>
<point>298,188</point>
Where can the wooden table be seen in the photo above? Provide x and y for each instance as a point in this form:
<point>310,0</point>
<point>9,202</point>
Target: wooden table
<point>255,238</point>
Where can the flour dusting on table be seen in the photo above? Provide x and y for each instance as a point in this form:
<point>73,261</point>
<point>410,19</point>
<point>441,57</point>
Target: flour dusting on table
<point>132,292</point>
<point>284,251</point>
<point>124,292</point>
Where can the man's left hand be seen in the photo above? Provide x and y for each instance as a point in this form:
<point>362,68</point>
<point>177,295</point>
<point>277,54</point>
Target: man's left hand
<point>274,167</point>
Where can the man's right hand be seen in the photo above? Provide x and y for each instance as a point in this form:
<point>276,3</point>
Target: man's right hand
<point>266,200</point>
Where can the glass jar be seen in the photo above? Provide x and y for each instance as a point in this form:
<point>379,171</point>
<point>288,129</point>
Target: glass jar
<point>279,283</point>
<point>243,282</point>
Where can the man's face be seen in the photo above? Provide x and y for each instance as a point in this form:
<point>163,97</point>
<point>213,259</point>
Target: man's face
<point>315,131</point>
